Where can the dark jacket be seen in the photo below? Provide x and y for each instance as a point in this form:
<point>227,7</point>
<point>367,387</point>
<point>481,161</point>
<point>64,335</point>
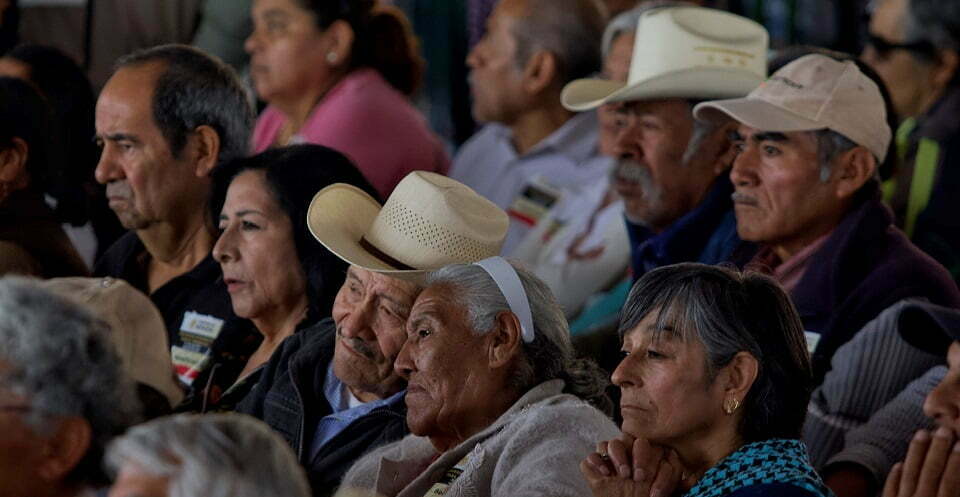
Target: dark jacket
<point>289,397</point>
<point>864,267</point>
<point>32,240</point>
<point>707,234</point>
<point>936,230</point>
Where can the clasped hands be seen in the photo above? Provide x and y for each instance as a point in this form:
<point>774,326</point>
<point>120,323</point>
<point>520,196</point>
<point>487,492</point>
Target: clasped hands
<point>628,466</point>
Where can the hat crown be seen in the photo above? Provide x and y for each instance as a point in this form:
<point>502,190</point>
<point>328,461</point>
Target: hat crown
<point>430,221</point>
<point>685,38</point>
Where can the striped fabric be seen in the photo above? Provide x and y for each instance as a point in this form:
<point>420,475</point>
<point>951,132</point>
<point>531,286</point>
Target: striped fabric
<point>870,402</point>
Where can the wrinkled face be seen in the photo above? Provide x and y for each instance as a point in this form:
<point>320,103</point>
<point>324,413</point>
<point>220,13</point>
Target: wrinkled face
<point>134,482</point>
<point>443,362</point>
<point>616,67</point>
<point>656,184</point>
<point>908,78</point>
<point>667,395</point>
<point>495,78</point>
<point>284,32</point>
<point>779,196</point>
<point>256,252</point>
<point>943,403</point>
<point>146,184</point>
<point>370,312</point>
<point>21,450</point>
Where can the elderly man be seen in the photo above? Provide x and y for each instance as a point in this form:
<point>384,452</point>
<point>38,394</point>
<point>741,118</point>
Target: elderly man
<point>331,390</point>
<point>915,47</point>
<point>63,394</point>
<point>216,455</point>
<point>809,141</point>
<point>532,149</point>
<point>670,170</point>
<point>165,119</point>
<point>496,403</point>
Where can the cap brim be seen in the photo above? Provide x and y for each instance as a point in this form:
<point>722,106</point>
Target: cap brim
<point>339,216</point>
<point>929,327</point>
<point>755,113</point>
<point>699,83</point>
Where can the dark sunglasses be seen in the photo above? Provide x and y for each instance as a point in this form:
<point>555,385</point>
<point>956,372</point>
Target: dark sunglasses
<point>884,47</point>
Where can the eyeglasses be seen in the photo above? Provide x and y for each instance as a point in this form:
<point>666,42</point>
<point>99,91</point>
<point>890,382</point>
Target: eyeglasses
<point>883,46</point>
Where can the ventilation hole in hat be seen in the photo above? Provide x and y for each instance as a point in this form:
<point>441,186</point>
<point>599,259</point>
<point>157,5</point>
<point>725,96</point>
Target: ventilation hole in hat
<point>437,237</point>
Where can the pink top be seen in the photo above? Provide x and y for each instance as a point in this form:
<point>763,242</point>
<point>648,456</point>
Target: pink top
<point>371,123</point>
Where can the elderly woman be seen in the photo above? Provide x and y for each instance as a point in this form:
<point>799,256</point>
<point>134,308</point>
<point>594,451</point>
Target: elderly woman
<point>43,250</point>
<point>339,73</point>
<point>715,382</point>
<point>495,401</point>
<point>219,455</point>
<point>63,394</point>
<point>278,276</point>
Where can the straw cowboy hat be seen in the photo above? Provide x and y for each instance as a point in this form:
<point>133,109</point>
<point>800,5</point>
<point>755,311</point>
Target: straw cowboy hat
<point>683,52</point>
<point>428,222</point>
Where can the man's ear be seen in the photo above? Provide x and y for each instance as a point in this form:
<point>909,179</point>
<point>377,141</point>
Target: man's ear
<point>65,448</point>
<point>855,168</point>
<point>13,164</point>
<point>739,375</point>
<point>540,72</point>
<point>504,342</point>
<point>946,69</point>
<point>720,149</point>
<point>339,43</point>
<point>206,149</point>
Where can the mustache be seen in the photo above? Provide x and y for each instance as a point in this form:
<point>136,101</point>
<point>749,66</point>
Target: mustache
<point>630,171</point>
<point>743,198</point>
<point>357,344</point>
<point>119,189</point>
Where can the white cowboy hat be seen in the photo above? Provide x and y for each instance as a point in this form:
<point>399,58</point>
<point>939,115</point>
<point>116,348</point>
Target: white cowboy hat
<point>683,52</point>
<point>428,222</point>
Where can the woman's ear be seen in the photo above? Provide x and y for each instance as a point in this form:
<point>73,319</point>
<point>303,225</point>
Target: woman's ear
<point>13,165</point>
<point>339,43</point>
<point>738,377</point>
<point>504,342</point>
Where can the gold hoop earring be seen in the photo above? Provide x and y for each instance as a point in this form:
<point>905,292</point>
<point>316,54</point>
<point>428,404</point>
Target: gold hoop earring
<point>731,405</point>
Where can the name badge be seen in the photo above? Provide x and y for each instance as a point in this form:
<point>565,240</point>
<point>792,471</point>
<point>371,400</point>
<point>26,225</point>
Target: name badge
<point>188,363</point>
<point>440,487</point>
<point>200,328</point>
<point>534,201</point>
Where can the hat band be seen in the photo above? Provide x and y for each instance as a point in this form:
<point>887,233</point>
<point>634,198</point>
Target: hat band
<point>379,254</point>
<point>510,286</point>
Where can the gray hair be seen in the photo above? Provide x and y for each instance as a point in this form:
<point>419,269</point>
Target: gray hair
<point>550,355</point>
<point>728,312</point>
<point>214,455</point>
<point>627,21</point>
<point>197,89</point>
<point>569,29</point>
<point>61,359</point>
<point>830,145</point>
<point>935,21</point>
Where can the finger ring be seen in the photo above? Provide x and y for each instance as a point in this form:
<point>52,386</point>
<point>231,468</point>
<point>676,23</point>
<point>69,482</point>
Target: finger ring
<point>604,456</point>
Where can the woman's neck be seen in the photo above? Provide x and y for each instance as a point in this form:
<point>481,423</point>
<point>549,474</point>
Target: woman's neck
<point>699,456</point>
<point>297,108</point>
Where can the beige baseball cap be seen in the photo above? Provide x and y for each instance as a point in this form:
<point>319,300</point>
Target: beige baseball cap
<point>811,93</point>
<point>136,327</point>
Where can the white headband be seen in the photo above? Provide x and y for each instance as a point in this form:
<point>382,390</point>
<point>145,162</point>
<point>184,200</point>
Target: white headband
<point>510,286</point>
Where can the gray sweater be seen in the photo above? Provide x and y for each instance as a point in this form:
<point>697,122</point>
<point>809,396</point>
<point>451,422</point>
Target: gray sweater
<point>533,449</point>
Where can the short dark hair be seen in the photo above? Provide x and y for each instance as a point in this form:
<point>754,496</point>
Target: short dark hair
<point>294,175</point>
<point>729,312</point>
<point>25,114</point>
<point>196,89</point>
<point>572,30</point>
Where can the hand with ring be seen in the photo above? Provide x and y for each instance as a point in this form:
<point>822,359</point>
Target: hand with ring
<point>631,467</point>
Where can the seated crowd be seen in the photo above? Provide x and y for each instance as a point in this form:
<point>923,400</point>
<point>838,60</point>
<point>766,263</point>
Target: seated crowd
<point>667,263</point>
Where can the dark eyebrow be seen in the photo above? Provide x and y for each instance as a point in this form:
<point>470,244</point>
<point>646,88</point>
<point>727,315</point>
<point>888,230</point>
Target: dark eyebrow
<point>115,137</point>
<point>275,14</point>
<point>772,136</point>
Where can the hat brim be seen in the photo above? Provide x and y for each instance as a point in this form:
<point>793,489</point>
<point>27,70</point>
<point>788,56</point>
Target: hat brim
<point>699,83</point>
<point>929,327</point>
<point>339,216</point>
<point>755,113</point>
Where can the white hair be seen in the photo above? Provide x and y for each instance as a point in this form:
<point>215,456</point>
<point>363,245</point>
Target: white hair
<point>626,22</point>
<point>214,455</point>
